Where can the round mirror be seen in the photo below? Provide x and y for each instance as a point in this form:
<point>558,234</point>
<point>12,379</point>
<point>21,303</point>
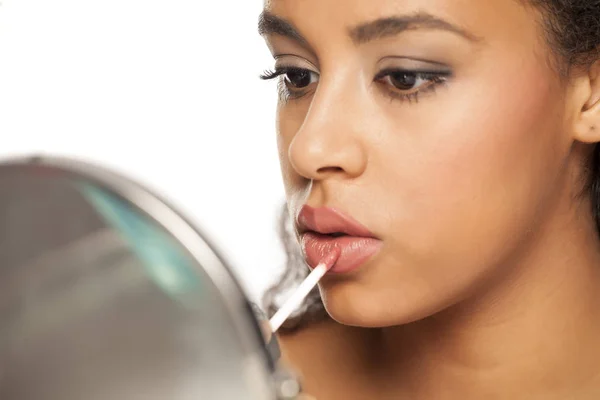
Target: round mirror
<point>106,292</point>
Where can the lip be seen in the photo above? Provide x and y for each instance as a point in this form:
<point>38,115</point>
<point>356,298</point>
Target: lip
<point>357,245</point>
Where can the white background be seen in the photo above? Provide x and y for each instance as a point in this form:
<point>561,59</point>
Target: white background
<point>164,91</point>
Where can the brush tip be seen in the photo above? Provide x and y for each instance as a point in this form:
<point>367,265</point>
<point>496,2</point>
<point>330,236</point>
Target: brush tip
<point>331,258</point>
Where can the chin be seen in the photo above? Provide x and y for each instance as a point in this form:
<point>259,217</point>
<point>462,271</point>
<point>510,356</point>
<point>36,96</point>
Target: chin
<point>354,306</point>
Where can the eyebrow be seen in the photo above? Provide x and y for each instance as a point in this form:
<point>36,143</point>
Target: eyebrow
<point>270,24</point>
<point>380,28</point>
<point>391,26</point>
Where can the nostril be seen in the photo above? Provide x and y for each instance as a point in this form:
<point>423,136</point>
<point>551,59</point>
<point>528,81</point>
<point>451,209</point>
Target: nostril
<point>325,170</point>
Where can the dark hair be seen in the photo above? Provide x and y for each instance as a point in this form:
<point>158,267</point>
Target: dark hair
<point>572,30</point>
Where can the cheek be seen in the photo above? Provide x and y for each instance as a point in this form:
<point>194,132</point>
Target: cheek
<point>473,173</point>
<point>290,118</point>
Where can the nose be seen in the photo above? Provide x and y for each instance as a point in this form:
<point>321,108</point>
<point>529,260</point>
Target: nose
<point>330,142</point>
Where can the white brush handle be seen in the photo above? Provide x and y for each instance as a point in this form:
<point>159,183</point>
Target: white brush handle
<point>298,297</point>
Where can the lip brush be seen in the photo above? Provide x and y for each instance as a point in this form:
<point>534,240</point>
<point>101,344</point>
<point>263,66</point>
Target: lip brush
<point>304,289</point>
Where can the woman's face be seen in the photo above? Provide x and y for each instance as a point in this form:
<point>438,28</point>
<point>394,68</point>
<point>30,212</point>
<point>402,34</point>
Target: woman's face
<point>440,125</point>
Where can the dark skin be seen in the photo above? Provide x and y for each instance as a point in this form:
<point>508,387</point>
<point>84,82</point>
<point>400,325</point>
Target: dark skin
<point>469,165</point>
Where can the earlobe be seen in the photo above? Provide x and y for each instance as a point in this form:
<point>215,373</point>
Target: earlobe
<point>587,127</point>
<point>587,133</point>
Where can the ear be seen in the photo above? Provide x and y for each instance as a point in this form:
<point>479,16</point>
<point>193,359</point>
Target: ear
<point>587,95</point>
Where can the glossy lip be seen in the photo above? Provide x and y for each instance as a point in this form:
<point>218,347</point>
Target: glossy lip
<point>327,220</point>
<point>356,242</point>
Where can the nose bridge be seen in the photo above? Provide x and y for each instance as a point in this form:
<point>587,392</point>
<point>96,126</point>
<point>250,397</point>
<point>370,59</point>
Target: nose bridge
<point>329,140</point>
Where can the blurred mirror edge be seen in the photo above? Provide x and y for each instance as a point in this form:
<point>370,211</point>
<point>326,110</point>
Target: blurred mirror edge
<point>155,208</point>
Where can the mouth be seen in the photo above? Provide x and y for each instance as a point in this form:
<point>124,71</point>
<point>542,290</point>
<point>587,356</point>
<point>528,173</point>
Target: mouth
<point>323,229</point>
<point>337,234</point>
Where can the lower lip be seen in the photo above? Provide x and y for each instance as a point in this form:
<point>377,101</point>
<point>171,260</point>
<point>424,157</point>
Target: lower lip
<point>355,251</point>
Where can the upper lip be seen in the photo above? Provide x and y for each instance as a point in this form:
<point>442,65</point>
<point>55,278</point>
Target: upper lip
<point>327,220</point>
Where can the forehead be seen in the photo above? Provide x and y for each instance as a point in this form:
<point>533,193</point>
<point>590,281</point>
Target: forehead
<point>319,20</point>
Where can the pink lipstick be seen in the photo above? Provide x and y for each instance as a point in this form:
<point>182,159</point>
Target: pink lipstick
<point>324,229</point>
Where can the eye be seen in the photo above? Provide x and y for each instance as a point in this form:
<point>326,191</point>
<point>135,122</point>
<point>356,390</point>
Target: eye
<point>293,77</point>
<point>296,78</point>
<point>295,82</point>
<point>405,82</point>
<point>409,80</point>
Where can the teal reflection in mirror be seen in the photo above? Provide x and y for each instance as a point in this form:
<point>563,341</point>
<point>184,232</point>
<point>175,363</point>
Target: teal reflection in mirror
<point>165,261</point>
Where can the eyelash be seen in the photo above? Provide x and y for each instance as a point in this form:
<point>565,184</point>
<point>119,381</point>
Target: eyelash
<point>268,74</point>
<point>434,78</point>
<point>285,92</point>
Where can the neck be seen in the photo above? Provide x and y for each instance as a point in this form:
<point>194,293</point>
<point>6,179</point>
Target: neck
<point>532,335</point>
